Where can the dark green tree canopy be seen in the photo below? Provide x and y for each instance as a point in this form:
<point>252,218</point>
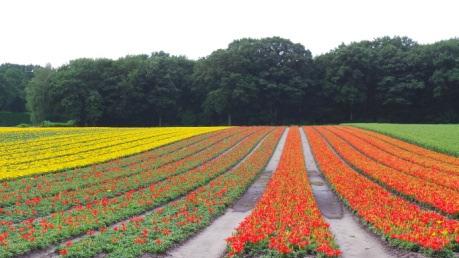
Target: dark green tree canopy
<point>255,81</point>
<point>252,81</point>
<point>13,79</point>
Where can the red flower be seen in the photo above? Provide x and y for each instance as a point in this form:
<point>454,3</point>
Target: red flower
<point>287,215</point>
<point>63,252</point>
<point>389,214</point>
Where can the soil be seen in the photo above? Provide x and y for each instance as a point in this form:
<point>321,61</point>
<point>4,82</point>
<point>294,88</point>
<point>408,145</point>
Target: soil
<point>352,238</point>
<point>50,252</point>
<point>211,241</point>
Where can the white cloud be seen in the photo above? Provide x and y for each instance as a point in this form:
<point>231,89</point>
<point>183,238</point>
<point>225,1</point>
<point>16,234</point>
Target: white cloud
<point>57,31</point>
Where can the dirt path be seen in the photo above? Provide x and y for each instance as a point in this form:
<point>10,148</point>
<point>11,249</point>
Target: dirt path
<point>50,251</point>
<point>211,241</point>
<point>353,239</point>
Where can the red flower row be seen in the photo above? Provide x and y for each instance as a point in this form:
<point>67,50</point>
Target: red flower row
<point>16,191</point>
<point>397,159</point>
<point>417,189</point>
<point>433,162</point>
<point>127,179</point>
<point>440,159</point>
<point>286,220</point>
<point>177,220</point>
<point>400,221</point>
<point>34,233</point>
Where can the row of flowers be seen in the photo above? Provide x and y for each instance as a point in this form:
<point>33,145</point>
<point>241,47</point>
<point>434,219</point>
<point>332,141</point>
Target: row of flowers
<point>64,143</point>
<point>177,220</point>
<point>434,165</point>
<point>404,224</point>
<point>286,221</point>
<point>59,154</point>
<point>426,193</point>
<point>36,233</point>
<point>126,179</point>
<point>103,145</point>
<point>395,161</point>
<point>51,183</point>
<point>36,136</point>
<point>412,148</point>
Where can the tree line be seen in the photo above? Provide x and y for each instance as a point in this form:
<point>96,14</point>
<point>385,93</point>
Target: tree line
<point>252,81</point>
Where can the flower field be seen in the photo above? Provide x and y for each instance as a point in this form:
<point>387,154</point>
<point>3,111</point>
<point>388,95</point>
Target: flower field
<point>390,213</point>
<point>439,137</point>
<point>418,189</point>
<point>127,192</point>
<point>286,220</point>
<point>31,151</point>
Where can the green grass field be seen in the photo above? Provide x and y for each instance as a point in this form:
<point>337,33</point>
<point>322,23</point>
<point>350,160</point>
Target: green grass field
<point>439,137</point>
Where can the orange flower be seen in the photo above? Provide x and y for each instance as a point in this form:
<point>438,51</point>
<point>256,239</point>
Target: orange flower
<point>389,214</point>
<point>286,216</point>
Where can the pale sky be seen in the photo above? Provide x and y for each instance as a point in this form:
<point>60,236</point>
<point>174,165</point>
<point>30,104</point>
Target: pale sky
<point>48,31</point>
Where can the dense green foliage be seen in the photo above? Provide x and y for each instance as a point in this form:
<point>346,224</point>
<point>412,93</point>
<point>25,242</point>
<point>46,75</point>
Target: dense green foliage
<point>70,123</point>
<point>438,137</point>
<point>14,118</point>
<point>252,81</point>
<point>135,90</point>
<point>13,80</point>
<point>392,79</point>
<point>256,81</point>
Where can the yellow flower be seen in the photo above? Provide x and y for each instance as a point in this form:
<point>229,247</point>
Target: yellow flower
<point>27,151</point>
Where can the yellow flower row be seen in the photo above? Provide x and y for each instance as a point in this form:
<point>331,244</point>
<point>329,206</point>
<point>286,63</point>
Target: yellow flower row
<point>36,138</point>
<point>53,149</point>
<point>70,145</point>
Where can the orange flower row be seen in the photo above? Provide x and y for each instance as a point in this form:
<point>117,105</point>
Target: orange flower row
<point>427,193</point>
<point>401,222</point>
<point>439,158</point>
<point>432,164</point>
<point>395,161</point>
<point>286,220</point>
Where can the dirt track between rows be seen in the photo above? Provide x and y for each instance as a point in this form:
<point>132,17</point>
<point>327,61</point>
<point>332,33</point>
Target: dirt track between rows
<point>210,243</point>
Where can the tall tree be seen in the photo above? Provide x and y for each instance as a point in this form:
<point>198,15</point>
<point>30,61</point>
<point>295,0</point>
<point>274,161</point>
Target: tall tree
<point>365,78</point>
<point>255,81</point>
<point>444,78</point>
<point>13,79</point>
<point>160,83</point>
<point>37,94</point>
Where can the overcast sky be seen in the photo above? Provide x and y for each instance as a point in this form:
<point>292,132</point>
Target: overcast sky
<point>55,32</point>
